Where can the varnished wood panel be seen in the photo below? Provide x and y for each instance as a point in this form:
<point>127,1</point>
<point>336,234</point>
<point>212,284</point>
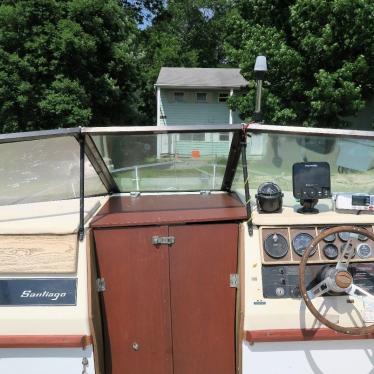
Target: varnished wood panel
<point>296,335</point>
<point>169,209</point>
<point>202,302</point>
<point>38,253</point>
<point>45,341</point>
<point>240,299</point>
<point>136,302</point>
<point>94,312</point>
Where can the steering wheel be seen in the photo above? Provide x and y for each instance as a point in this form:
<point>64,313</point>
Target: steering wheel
<point>336,279</point>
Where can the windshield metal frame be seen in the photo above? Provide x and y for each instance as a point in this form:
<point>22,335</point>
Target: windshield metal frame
<point>105,175</point>
<point>296,130</point>
<point>38,135</point>
<point>138,130</point>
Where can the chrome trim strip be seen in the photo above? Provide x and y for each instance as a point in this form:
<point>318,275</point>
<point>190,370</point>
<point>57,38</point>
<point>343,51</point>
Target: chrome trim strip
<point>159,129</point>
<point>36,135</point>
<point>262,128</point>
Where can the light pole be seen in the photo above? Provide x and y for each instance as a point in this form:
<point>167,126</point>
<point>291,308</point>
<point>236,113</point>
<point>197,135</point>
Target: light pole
<point>260,70</point>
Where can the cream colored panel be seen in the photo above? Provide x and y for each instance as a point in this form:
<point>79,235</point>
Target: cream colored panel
<point>50,217</point>
<point>52,320</point>
<point>38,254</point>
<point>326,216</point>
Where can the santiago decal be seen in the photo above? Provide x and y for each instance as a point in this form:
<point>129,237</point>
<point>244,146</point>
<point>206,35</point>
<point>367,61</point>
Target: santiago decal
<point>38,291</point>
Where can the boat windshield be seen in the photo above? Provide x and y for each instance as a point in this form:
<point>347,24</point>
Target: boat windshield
<point>43,166</point>
<point>270,157</point>
<point>166,162</point>
<point>43,170</point>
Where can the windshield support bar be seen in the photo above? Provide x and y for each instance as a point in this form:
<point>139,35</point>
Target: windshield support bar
<point>81,187</point>
<point>233,161</point>
<point>99,165</point>
<point>246,183</point>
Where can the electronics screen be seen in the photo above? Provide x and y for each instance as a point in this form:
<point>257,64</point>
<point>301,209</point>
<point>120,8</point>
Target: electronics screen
<point>311,180</point>
<point>360,200</point>
<point>354,201</point>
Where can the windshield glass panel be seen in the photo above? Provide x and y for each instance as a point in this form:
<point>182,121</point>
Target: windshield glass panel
<point>42,170</point>
<point>166,162</point>
<point>270,157</point>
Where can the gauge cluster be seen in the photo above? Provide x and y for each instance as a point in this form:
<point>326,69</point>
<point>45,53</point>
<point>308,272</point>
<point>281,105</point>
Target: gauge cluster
<point>287,245</point>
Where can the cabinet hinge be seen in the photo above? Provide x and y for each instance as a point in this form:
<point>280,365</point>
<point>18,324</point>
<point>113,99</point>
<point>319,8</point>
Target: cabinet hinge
<point>100,284</point>
<point>157,240</point>
<point>234,280</point>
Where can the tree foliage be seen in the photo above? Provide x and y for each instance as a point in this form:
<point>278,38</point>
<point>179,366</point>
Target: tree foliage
<point>92,62</point>
<point>66,63</point>
<point>184,34</point>
<point>320,57</point>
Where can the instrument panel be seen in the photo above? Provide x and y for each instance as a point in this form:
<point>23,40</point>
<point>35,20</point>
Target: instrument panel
<point>286,245</point>
<point>283,247</point>
<point>282,281</point>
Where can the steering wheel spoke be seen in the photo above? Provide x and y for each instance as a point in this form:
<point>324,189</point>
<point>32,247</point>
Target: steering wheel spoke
<point>320,289</point>
<point>347,254</point>
<point>355,290</point>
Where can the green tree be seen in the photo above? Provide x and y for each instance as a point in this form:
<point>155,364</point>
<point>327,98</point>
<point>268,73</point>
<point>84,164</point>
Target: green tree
<point>320,57</point>
<point>66,63</point>
<point>183,34</point>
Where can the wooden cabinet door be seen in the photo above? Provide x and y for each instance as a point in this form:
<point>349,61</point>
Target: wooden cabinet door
<point>202,302</point>
<point>136,302</point>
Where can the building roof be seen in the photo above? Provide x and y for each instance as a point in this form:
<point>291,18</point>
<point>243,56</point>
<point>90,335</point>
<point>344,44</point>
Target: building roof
<point>200,78</point>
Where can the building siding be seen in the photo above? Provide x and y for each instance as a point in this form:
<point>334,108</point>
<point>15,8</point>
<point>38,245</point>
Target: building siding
<point>211,147</point>
<point>190,112</point>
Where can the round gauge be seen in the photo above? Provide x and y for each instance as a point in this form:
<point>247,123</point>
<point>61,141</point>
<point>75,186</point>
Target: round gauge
<point>331,251</point>
<point>344,236</point>
<point>301,242</point>
<point>351,248</point>
<point>364,250</point>
<point>362,238</point>
<point>276,245</point>
<point>329,238</point>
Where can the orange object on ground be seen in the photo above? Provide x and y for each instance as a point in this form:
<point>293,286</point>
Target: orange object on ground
<point>195,153</point>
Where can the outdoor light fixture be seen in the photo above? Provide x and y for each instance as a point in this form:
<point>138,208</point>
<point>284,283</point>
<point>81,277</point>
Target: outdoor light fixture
<point>260,70</point>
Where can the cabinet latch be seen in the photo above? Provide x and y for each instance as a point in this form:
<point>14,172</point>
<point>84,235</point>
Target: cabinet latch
<point>100,284</point>
<point>157,240</point>
<point>234,280</point>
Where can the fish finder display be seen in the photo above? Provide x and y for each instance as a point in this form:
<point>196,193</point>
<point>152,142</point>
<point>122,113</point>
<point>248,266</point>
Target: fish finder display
<point>311,181</point>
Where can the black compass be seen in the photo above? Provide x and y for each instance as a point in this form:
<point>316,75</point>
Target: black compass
<point>269,198</point>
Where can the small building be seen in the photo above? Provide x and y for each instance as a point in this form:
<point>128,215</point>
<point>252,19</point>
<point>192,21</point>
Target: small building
<point>195,96</point>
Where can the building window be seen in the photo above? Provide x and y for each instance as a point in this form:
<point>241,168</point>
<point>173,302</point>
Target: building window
<point>201,97</point>
<point>198,137</point>
<point>179,96</point>
<point>224,137</point>
<point>223,97</point>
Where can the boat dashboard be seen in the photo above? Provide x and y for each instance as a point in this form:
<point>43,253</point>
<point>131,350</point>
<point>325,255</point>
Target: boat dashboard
<point>283,247</point>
